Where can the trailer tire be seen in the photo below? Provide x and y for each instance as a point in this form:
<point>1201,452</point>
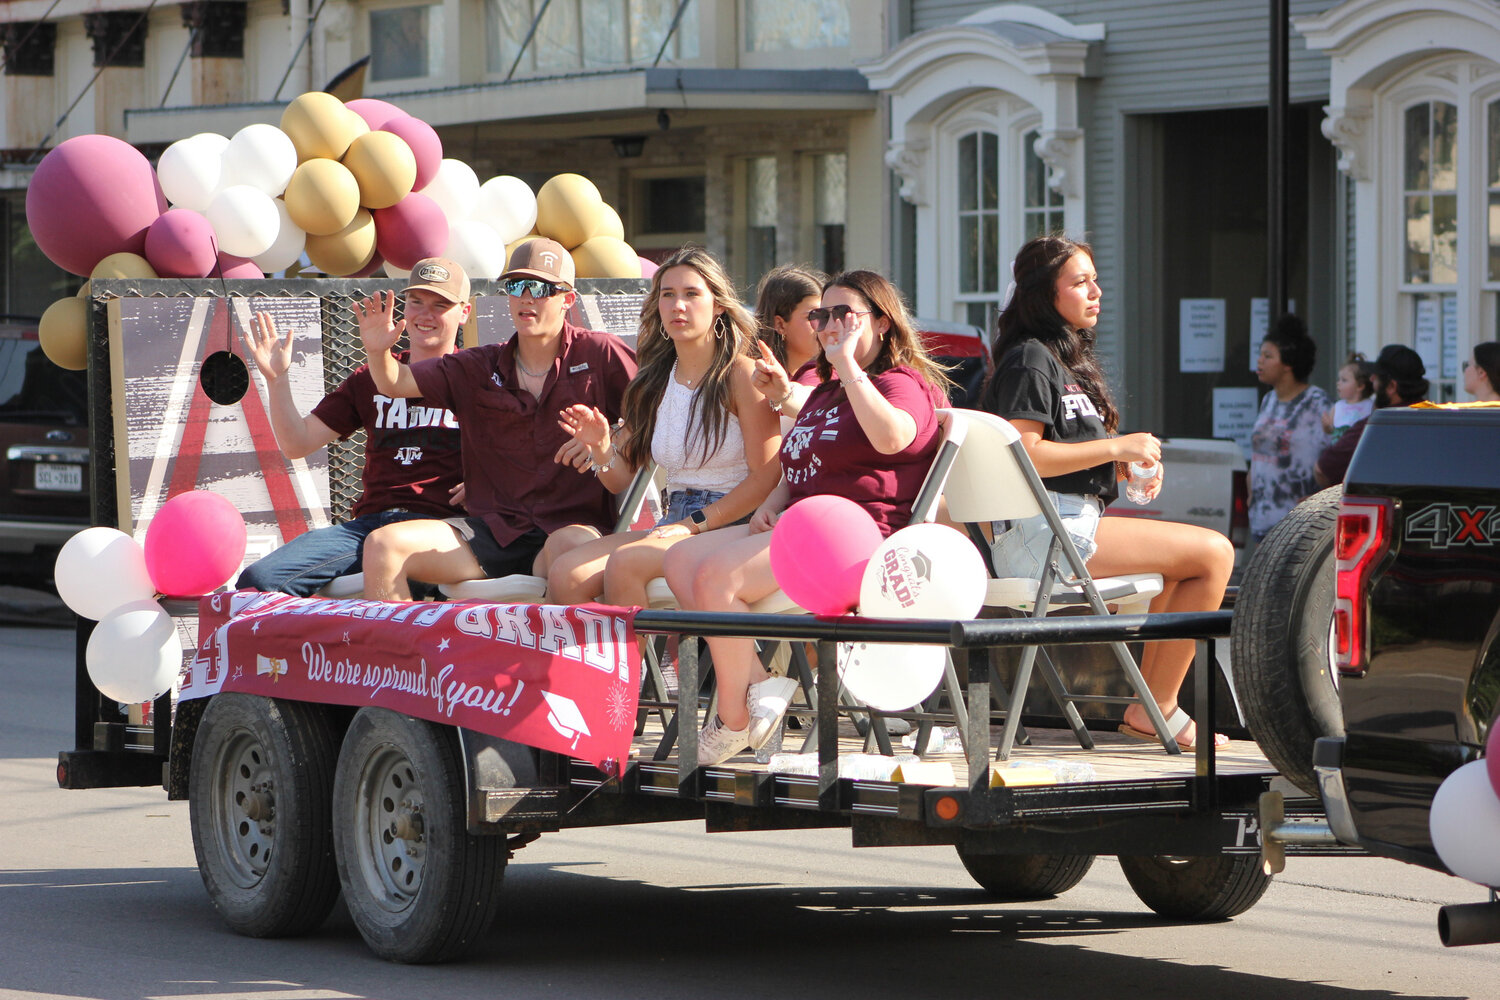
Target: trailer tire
<point>1202,888</point>
<point>419,886</point>
<point>1279,639</point>
<point>260,790</point>
<point>1021,877</point>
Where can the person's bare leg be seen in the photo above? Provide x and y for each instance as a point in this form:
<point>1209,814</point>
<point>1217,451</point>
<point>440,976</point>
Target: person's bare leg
<point>430,551</point>
<point>560,541</point>
<point>1195,564</point>
<point>633,566</point>
<point>577,575</point>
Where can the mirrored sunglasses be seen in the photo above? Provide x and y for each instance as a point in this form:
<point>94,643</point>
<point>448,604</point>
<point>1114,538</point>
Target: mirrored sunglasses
<point>535,287</point>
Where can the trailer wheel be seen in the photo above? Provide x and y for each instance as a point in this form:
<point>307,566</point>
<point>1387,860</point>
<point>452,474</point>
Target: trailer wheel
<point>1211,888</point>
<point>1279,639</point>
<point>260,789</point>
<point>1020,877</point>
<point>419,887</point>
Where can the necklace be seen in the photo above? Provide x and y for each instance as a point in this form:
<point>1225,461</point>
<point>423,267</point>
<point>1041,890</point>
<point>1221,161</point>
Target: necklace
<point>688,382</point>
<point>528,371</point>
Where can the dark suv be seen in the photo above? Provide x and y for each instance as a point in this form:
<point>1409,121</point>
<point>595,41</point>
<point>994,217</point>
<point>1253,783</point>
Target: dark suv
<point>44,454</point>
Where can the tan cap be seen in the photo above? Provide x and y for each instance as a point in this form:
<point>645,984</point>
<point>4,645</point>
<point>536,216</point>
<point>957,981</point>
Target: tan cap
<point>541,258</point>
<point>441,275</point>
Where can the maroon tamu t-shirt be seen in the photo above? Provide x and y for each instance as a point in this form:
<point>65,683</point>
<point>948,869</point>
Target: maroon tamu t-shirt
<point>412,458</point>
<point>827,451</point>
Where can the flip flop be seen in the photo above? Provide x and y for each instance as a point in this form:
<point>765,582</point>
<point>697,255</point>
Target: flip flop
<point>1176,722</point>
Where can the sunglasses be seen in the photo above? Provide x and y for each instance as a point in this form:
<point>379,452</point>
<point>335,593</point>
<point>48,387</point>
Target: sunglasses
<point>819,317</point>
<point>535,287</point>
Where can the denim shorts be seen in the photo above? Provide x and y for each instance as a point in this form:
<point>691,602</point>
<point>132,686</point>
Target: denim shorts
<point>681,503</point>
<point>1021,549</point>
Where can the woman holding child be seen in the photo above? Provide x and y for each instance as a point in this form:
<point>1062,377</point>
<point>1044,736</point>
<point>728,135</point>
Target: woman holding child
<point>693,410</point>
<point>868,431</point>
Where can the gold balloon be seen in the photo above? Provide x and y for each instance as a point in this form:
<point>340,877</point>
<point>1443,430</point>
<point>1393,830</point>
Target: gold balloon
<point>64,333</point>
<point>606,257</point>
<point>347,251</point>
<point>322,197</point>
<point>568,208</point>
<point>319,126</point>
<point>124,265</point>
<point>383,166</point>
<point>84,290</point>
<point>609,223</point>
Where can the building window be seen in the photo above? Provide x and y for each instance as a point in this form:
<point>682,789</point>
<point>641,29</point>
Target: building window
<point>1042,212</point>
<point>586,34</point>
<point>978,225</point>
<point>786,25</point>
<point>406,42</point>
<point>666,211</point>
<point>1430,195</point>
<point>760,216</point>
<point>830,206</point>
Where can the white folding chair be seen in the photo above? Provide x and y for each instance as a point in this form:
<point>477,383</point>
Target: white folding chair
<point>993,480</point>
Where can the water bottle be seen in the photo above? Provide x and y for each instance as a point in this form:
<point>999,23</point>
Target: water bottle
<point>1139,483</point>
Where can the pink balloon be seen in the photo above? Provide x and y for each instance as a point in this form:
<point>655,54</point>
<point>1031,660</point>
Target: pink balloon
<point>819,549</point>
<point>425,146</point>
<point>230,266</point>
<point>1492,756</point>
<point>648,267</point>
<point>376,263</point>
<point>375,113</point>
<point>91,196</point>
<point>413,228</point>
<point>194,544</point>
<point>181,244</point>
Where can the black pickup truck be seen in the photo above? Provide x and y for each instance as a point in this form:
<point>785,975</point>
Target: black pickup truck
<point>1373,711</point>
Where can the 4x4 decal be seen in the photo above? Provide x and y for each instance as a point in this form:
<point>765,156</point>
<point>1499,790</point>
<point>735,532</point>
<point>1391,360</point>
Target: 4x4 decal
<point>1445,525</point>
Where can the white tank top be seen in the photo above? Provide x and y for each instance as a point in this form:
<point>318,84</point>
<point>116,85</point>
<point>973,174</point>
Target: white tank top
<point>722,471</point>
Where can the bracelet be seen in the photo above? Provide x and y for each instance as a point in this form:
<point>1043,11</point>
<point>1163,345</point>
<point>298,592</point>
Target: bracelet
<point>776,406</point>
<point>856,380</point>
<point>613,454</point>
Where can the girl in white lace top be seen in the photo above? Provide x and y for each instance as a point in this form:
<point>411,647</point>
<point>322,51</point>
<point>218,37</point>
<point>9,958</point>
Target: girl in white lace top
<point>691,408</point>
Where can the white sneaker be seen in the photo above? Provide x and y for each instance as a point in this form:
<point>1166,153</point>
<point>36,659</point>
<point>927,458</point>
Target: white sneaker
<point>717,743</point>
<point>768,701</point>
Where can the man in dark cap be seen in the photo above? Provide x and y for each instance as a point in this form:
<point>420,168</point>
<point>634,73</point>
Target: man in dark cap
<point>1399,380</point>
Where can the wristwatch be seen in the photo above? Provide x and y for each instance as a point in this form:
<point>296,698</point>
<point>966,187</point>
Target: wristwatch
<point>699,518</point>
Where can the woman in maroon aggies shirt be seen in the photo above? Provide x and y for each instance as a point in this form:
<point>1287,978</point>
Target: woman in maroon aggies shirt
<point>869,432</point>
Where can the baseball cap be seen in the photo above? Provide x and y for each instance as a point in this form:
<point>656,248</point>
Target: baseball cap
<point>541,258</point>
<point>1401,363</point>
<point>441,275</point>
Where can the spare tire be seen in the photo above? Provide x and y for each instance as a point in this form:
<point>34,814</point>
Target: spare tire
<point>1279,640</point>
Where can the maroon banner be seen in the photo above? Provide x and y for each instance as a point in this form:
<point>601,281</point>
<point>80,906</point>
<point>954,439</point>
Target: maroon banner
<point>560,678</point>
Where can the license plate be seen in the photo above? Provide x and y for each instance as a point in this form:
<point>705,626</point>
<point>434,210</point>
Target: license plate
<point>62,478</point>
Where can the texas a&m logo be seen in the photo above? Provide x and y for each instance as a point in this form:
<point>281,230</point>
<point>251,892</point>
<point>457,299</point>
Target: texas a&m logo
<point>1447,526</point>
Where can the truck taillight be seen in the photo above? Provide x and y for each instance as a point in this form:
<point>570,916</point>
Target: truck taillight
<point>1361,538</point>
<point>1239,516</point>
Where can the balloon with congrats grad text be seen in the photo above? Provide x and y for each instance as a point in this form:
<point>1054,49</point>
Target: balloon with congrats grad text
<point>819,548</point>
<point>99,569</point>
<point>923,571</point>
<point>134,654</point>
<point>1465,824</point>
<point>194,544</point>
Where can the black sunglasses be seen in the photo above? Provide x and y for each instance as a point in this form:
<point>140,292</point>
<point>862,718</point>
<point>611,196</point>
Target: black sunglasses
<point>536,287</point>
<point>819,317</point>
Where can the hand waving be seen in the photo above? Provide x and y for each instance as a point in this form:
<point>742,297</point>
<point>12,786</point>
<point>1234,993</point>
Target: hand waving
<point>272,356</point>
<point>378,327</point>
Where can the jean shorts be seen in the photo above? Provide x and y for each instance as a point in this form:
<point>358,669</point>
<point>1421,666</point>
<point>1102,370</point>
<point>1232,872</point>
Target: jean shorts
<point>1020,547</point>
<point>681,503</point>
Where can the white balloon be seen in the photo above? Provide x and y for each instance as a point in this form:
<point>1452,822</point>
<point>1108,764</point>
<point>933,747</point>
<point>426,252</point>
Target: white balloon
<point>455,187</point>
<point>245,220</point>
<point>261,156</point>
<point>289,244</point>
<point>923,571</point>
<point>476,248</point>
<point>99,569</point>
<point>890,676</point>
<point>507,205</point>
<point>134,654</point>
<point>1465,824</point>
<point>190,170</point>
<point>399,273</point>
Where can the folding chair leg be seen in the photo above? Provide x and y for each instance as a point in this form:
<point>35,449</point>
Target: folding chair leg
<point>1065,699</point>
<point>1147,700</point>
<point>1017,699</point>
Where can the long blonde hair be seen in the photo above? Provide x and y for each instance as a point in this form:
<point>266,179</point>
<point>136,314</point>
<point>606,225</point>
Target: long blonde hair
<point>656,355</point>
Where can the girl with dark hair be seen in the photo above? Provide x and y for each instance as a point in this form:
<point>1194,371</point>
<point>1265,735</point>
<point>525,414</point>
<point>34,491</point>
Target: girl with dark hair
<point>1355,390</point>
<point>1482,373</point>
<point>869,432</point>
<point>691,408</point>
<point>1289,435</point>
<point>788,340</point>
<point>1048,383</point>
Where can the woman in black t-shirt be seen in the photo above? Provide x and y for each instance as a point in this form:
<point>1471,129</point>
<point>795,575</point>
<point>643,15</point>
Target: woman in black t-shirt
<point>1048,383</point>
